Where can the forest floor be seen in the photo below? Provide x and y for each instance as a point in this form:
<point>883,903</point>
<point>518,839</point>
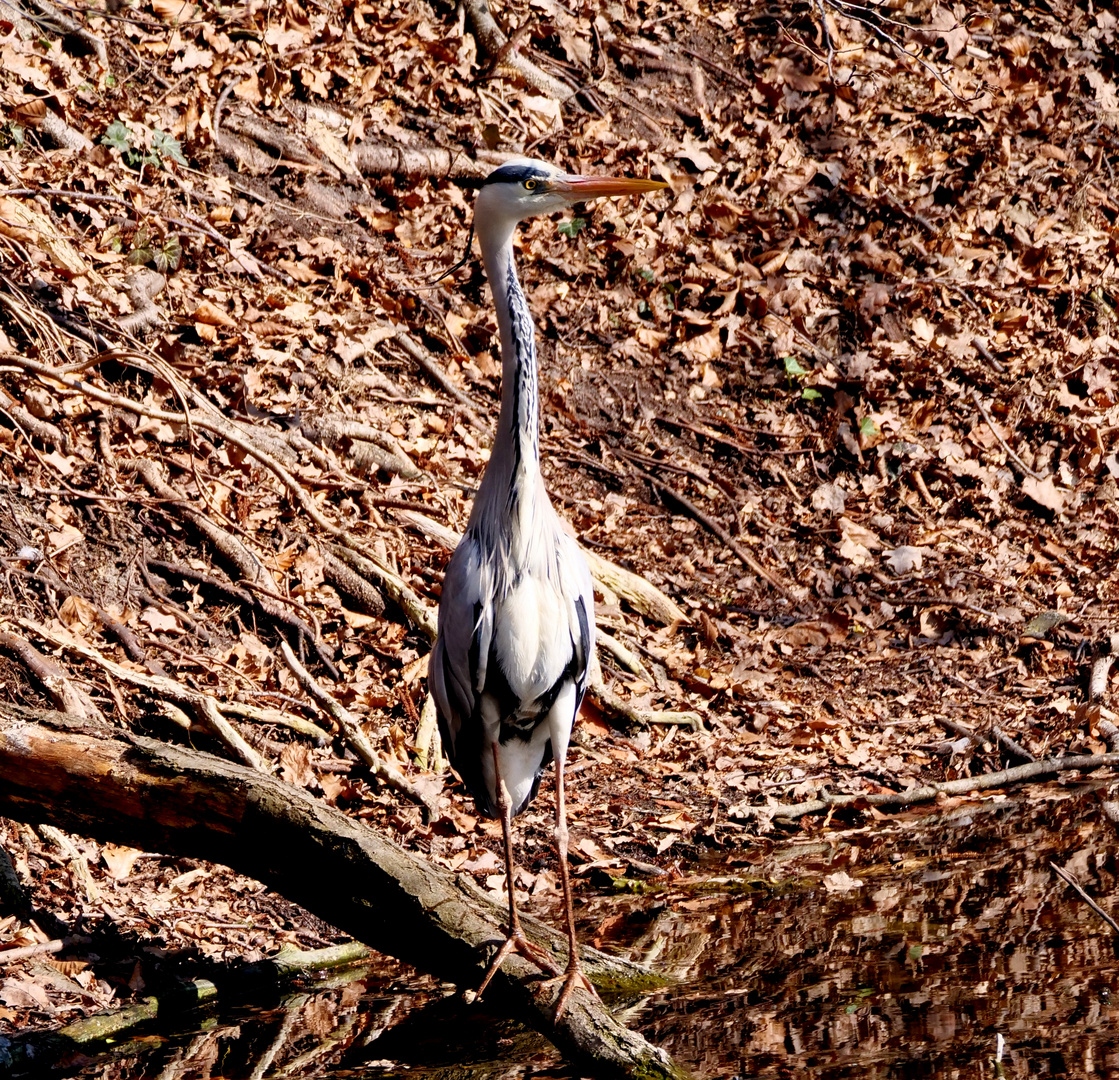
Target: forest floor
<point>845,394</point>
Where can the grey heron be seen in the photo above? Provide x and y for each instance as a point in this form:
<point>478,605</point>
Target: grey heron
<point>516,615</point>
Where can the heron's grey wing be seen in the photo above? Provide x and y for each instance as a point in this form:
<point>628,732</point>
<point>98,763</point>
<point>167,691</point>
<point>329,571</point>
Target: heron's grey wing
<point>583,628</point>
<point>457,669</point>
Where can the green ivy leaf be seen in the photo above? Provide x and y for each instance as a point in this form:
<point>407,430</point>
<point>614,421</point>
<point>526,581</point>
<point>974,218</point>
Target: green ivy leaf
<point>811,395</point>
<point>167,147</point>
<point>134,159</point>
<point>169,256</point>
<point>867,427</point>
<point>118,137</point>
<point>573,227</point>
<point>793,368</point>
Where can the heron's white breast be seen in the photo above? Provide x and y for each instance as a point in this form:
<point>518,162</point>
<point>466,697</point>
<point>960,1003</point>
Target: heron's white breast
<point>532,635</point>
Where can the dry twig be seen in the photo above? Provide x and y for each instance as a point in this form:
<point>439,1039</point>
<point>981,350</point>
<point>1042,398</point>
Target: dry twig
<point>1068,879</point>
<point>1002,442</point>
<point>1033,770</point>
<point>428,363</point>
<point>1003,740</point>
<point>716,529</point>
<point>356,738</point>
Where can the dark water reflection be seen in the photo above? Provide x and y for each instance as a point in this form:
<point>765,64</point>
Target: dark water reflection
<point>907,954</point>
<point>902,950</point>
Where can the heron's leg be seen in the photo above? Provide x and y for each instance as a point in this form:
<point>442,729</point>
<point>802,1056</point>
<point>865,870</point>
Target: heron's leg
<point>516,941</point>
<point>574,973</point>
<point>505,809</point>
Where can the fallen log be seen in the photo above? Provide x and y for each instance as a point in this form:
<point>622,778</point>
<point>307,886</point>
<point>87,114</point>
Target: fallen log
<point>126,789</point>
<point>111,1033</point>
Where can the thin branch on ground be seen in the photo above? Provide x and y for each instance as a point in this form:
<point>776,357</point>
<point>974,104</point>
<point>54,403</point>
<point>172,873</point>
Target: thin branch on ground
<point>1007,743</point>
<point>45,948</point>
<point>429,364</point>
<point>66,25</point>
<point>1033,770</point>
<point>205,709</point>
<point>1001,441</point>
<point>252,265</point>
<point>350,724</point>
<point>716,529</point>
<point>872,20</point>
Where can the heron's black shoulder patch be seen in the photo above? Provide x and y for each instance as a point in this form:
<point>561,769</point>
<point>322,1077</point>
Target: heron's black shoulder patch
<point>515,172</point>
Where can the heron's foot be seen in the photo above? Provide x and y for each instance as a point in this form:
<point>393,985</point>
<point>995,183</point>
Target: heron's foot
<point>534,954</point>
<point>571,978</point>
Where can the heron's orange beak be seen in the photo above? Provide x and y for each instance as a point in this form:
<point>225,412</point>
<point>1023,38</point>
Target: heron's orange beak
<point>578,188</point>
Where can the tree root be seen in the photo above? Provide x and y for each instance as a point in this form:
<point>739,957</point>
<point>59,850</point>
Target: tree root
<point>62,690</point>
<point>371,449</point>
<point>495,45</point>
<point>204,707</point>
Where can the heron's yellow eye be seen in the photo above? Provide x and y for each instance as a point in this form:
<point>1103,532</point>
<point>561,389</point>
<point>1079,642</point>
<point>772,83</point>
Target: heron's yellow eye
<point>530,185</point>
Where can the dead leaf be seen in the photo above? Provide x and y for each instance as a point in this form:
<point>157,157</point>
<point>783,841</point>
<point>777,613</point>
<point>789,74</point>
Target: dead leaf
<point>210,315</point>
<point>119,860</point>
<point>841,882</point>
<point>23,993</point>
<point>905,559</point>
<point>829,497</point>
<point>1046,493</point>
<point>78,614</point>
<point>295,765</point>
<point>161,621</point>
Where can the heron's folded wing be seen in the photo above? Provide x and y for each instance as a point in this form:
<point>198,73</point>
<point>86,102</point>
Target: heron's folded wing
<point>582,619</point>
<point>457,667</point>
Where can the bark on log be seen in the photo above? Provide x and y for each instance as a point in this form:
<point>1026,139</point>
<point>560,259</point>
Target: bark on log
<point>148,794</point>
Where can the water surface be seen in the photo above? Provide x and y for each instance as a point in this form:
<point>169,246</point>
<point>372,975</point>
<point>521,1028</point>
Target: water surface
<point>937,944</point>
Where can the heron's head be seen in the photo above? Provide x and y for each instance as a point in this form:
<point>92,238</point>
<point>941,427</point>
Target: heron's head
<point>524,188</point>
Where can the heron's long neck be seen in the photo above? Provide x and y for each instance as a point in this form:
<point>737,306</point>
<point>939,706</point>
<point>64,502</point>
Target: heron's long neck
<point>517,443</point>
